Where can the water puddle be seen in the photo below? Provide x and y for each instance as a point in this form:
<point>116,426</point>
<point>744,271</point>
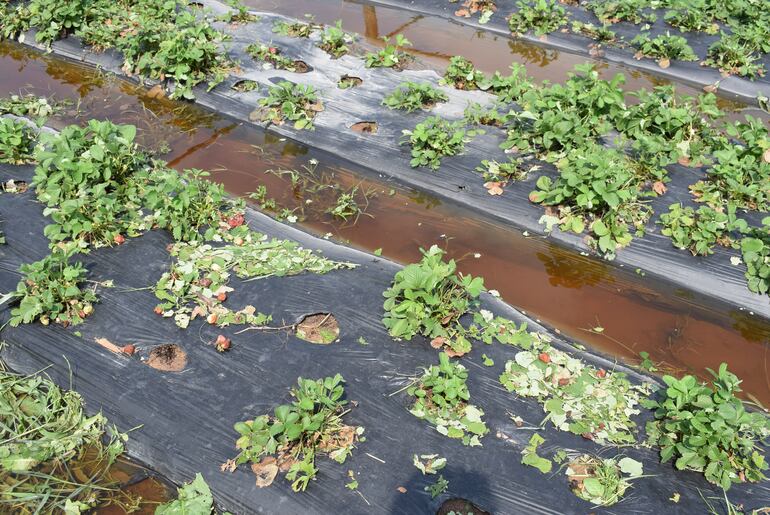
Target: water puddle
<point>572,293</point>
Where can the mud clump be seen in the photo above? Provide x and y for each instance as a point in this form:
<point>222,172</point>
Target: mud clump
<point>167,358</point>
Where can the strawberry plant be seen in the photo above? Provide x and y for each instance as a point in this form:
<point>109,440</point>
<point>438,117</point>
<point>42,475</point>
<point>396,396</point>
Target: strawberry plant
<point>287,101</point>
<point>17,140</point>
<point>461,74</point>
<point>391,56</point>
<point>50,290</point>
<point>433,139</point>
<point>601,34</point>
<point>334,40</point>
<point>692,16</point>
<point>596,188</point>
<point>613,11</point>
<point>239,14</point>
<point>296,29</point>
<point>296,433</point>
<point>741,172</point>
<point>706,428</point>
<point>755,249</point>
<point>84,178</point>
<point>699,231</point>
<point>188,54</point>
<point>664,48</point>
<point>508,88</point>
<point>272,54</point>
<point>541,16</point>
<point>442,399</point>
<point>731,56</point>
<point>411,96</point>
<point>429,298</point>
<point>53,19</point>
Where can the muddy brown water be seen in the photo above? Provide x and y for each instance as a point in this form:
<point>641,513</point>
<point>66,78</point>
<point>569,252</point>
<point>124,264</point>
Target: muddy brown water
<point>570,292</point>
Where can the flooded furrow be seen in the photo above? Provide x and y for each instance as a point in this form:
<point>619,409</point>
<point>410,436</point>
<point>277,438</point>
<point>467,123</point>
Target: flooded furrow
<point>618,312</point>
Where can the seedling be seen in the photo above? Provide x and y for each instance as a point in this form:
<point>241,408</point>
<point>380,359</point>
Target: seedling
<point>272,54</point>
<point>707,429</point>
<point>433,139</point>
<point>17,140</point>
<point>602,481</point>
<point>663,48</point>
<point>296,103</point>
<point>295,29</point>
<point>541,16</point>
<point>296,433</point>
<point>461,74</point>
<point>411,96</point>
<point>595,403</point>
<point>428,298</point>
<point>240,14</point>
<point>441,398</point>
<point>613,11</point>
<point>347,82</point>
<point>439,487</point>
<point>391,56</point>
<point>335,41</point>
<point>50,290</point>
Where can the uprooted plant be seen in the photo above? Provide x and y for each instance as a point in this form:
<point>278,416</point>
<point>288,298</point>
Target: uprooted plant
<point>291,439</point>
<point>595,403</point>
<point>411,96</point>
<point>291,102</point>
<point>707,428</point>
<point>442,399</point>
<point>602,481</point>
<point>54,458</point>
<point>434,139</point>
<point>198,283</point>
<point>429,298</point>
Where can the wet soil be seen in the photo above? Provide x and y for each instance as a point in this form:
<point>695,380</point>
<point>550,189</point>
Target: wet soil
<point>167,358</point>
<point>570,292</point>
<point>318,328</point>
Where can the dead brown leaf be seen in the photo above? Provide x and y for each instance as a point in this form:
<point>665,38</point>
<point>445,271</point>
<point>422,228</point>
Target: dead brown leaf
<point>156,92</point>
<point>494,188</point>
<point>401,489</point>
<point>437,342</point>
<point>265,470</point>
<point>659,188</point>
<point>766,156</point>
<point>104,342</point>
<point>664,63</point>
<point>710,88</point>
<point>228,466</point>
<point>463,13</point>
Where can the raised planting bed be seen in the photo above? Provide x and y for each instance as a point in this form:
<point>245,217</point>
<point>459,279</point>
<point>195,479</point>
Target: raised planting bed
<point>710,44</point>
<point>184,389</point>
<point>319,113</point>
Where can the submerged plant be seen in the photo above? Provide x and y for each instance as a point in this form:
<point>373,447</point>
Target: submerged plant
<point>706,428</point>
<point>53,457</point>
<point>429,298</point>
<point>442,399</point>
<point>411,96</point>
<point>433,139</point>
<point>296,103</point>
<point>541,16</point>
<point>296,433</point>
